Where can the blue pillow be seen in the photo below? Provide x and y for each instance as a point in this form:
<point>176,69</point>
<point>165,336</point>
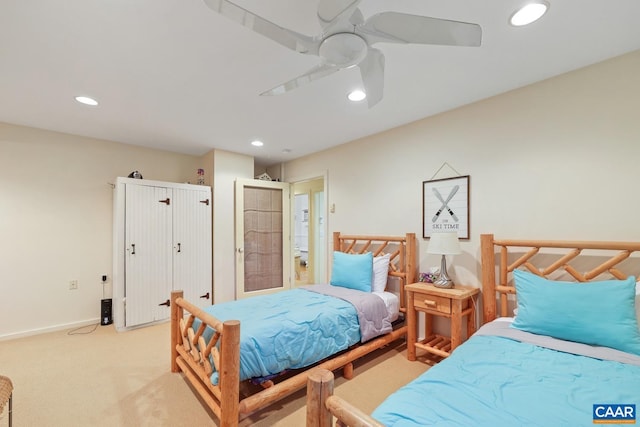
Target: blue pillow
<point>352,271</point>
<point>596,313</point>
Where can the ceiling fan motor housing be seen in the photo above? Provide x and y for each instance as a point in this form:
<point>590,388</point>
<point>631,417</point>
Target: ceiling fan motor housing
<point>343,50</point>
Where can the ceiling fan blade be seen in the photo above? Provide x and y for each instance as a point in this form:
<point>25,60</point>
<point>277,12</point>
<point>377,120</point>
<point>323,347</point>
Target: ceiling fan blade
<point>395,27</point>
<point>287,38</point>
<point>372,72</point>
<point>315,73</point>
<point>331,10</point>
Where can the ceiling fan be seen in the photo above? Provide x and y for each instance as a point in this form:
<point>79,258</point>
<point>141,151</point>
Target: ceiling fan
<point>347,37</point>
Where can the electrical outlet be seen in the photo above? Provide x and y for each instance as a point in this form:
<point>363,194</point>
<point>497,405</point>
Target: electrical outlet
<point>73,285</point>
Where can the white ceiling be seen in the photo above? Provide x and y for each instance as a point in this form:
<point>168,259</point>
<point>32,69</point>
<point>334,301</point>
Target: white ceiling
<point>174,75</point>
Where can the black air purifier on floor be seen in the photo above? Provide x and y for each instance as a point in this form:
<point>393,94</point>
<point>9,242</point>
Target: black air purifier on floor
<point>105,312</point>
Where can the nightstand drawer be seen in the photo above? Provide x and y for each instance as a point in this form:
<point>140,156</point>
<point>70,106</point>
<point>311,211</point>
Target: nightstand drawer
<point>432,303</point>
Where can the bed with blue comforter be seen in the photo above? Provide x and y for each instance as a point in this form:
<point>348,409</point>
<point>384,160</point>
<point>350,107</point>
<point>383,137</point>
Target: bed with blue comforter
<point>569,357</point>
<point>296,328</point>
<point>505,377</point>
<point>327,326</point>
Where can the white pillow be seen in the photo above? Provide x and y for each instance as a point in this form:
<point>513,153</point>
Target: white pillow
<point>380,272</point>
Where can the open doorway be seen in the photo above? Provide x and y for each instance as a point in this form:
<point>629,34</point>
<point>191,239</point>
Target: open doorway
<point>310,246</point>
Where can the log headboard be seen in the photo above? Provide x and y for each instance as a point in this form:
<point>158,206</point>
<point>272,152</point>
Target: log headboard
<point>581,261</point>
<point>402,251</point>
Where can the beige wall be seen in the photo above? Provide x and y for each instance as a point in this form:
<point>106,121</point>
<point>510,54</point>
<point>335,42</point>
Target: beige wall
<point>226,168</point>
<point>56,222</point>
<point>558,159</point>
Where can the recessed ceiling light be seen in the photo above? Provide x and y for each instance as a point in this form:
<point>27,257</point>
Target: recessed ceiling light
<point>257,143</point>
<point>86,100</point>
<point>356,95</point>
<point>529,13</point>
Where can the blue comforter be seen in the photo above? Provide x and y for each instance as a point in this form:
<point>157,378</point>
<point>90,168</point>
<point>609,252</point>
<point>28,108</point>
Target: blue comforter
<point>496,381</point>
<point>288,330</point>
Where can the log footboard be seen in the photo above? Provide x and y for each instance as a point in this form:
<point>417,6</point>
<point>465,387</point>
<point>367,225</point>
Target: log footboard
<point>190,354</point>
<point>323,406</point>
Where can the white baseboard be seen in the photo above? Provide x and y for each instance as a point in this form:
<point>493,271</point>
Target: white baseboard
<point>49,329</point>
<point>142,325</point>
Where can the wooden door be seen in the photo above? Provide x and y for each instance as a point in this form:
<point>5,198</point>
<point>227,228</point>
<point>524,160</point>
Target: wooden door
<point>263,247</point>
<point>192,244</point>
<point>148,254</point>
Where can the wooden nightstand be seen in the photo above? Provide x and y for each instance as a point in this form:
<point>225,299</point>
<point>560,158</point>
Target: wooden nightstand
<point>454,303</point>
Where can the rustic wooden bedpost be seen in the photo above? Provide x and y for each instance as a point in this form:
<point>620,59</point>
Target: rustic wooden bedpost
<point>411,258</point>
<point>319,388</point>
<point>176,315</point>
<point>336,241</point>
<point>408,266</point>
<point>488,264</point>
<point>230,373</point>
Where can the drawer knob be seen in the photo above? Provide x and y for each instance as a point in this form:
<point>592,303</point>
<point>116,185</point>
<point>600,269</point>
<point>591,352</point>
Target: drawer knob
<point>430,303</point>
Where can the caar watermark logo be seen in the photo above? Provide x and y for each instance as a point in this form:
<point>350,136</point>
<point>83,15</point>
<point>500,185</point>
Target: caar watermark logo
<point>614,414</point>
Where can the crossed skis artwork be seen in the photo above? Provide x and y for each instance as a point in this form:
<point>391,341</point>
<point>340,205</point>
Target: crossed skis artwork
<point>445,203</point>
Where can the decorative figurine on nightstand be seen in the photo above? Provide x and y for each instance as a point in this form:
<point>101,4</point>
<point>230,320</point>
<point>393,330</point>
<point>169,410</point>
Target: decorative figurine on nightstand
<point>445,243</point>
<point>428,277</point>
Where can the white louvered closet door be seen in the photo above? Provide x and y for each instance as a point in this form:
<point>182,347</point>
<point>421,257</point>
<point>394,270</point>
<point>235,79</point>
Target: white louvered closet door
<point>192,245</point>
<point>148,253</point>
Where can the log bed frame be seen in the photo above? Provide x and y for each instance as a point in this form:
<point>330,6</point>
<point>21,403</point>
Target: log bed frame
<point>323,406</point>
<point>190,353</point>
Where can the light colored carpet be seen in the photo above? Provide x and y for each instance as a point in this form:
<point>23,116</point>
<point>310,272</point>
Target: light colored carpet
<point>106,378</point>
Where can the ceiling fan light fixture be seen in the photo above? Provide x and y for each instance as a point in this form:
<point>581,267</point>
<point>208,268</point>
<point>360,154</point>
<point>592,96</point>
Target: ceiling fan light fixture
<point>347,39</point>
<point>86,101</point>
<point>356,95</point>
<point>529,13</point>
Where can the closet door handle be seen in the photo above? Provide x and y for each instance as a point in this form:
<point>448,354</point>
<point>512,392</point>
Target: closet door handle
<point>206,202</point>
<point>205,296</point>
<point>167,303</point>
<point>179,248</point>
<point>166,201</point>
<point>133,249</point>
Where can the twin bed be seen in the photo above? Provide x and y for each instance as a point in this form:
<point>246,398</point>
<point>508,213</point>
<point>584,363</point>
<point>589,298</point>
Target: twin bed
<point>570,355</point>
<point>273,341</point>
